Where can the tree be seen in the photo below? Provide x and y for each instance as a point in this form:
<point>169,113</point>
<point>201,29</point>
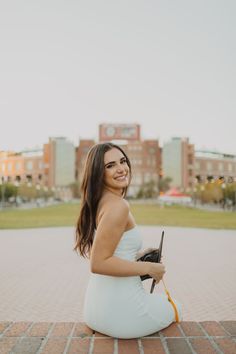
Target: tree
<point>7,191</point>
<point>147,190</point>
<point>164,184</point>
<point>75,189</point>
<point>27,191</point>
<point>209,192</point>
<point>230,192</point>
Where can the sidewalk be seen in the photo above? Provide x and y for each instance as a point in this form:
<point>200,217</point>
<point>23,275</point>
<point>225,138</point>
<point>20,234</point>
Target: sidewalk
<point>43,280</point>
<point>74,337</point>
<point>43,284</point>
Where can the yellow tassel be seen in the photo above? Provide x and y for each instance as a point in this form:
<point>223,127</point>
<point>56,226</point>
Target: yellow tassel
<point>172,303</point>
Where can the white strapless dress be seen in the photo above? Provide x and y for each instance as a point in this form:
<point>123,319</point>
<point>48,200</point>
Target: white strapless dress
<point>120,307</point>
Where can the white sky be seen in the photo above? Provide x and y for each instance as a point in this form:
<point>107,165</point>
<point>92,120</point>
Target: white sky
<point>66,66</point>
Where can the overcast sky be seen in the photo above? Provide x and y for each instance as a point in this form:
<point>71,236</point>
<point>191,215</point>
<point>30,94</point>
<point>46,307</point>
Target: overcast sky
<point>169,65</point>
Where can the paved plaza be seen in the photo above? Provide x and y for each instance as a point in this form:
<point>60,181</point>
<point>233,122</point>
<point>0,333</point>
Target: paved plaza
<point>43,279</point>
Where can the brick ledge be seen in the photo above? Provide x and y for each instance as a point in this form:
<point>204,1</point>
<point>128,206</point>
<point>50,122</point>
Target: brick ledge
<point>75,337</point>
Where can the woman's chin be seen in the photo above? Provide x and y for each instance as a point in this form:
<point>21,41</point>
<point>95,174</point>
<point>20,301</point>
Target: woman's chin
<point>123,185</point>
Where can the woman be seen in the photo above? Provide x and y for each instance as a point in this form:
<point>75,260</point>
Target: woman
<point>116,303</point>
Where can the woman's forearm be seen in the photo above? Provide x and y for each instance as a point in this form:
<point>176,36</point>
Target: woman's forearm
<point>119,267</point>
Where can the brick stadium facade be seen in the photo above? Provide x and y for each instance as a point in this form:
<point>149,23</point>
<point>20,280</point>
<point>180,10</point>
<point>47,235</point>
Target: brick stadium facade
<point>59,163</point>
<point>27,166</point>
<point>145,155</point>
<point>212,166</point>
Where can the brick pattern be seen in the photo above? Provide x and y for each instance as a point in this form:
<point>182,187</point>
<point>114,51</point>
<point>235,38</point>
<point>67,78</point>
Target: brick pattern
<point>75,337</point>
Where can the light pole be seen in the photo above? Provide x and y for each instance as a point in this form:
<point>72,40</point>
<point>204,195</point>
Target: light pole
<point>2,182</point>
<point>45,191</point>
<point>234,199</point>
<point>202,192</point>
<point>194,196</point>
<point>16,184</point>
<point>223,186</point>
<point>38,187</point>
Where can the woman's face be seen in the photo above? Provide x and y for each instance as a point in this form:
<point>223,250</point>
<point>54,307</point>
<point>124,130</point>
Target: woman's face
<point>116,171</point>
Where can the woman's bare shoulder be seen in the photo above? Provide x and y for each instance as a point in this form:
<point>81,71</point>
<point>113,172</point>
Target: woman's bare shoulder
<point>110,205</point>
<point>108,201</point>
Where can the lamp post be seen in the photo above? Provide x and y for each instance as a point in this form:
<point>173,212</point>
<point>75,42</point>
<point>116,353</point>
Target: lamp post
<point>2,182</point>
<point>223,186</point>
<point>194,196</point>
<point>16,184</point>
<point>202,192</point>
<point>38,187</point>
<point>45,193</point>
<point>234,207</point>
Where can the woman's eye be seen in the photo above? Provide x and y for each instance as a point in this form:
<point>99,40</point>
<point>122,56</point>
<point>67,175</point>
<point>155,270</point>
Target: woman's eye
<point>109,166</point>
<point>124,161</point>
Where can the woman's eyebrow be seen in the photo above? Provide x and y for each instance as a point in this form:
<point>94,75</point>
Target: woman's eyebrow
<point>122,158</point>
<point>108,163</point>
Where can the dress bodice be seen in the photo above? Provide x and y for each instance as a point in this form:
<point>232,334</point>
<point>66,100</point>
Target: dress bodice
<point>129,244</point>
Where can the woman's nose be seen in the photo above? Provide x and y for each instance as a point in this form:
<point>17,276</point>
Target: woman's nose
<point>120,168</point>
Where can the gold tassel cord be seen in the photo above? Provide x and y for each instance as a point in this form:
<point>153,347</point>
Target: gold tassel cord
<point>172,303</point>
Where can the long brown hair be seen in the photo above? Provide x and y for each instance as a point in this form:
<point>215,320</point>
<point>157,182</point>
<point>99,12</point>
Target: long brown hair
<point>91,193</point>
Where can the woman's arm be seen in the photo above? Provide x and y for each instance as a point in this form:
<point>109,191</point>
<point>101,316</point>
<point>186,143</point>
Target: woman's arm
<point>110,229</point>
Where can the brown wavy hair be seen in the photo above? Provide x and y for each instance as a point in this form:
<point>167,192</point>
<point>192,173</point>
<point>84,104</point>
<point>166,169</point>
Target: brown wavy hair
<point>91,192</point>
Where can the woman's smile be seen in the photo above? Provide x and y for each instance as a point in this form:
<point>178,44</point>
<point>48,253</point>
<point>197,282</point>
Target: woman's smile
<point>122,178</point>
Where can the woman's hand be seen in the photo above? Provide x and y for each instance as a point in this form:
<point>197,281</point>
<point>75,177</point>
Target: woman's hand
<point>156,271</point>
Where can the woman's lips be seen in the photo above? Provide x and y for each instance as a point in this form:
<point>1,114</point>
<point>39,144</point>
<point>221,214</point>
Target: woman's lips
<point>121,178</point>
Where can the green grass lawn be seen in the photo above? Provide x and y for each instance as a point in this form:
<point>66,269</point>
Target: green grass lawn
<point>145,214</point>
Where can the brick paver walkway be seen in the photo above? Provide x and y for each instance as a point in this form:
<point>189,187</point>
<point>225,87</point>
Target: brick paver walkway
<point>43,283</point>
<point>205,337</point>
<point>43,280</point>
